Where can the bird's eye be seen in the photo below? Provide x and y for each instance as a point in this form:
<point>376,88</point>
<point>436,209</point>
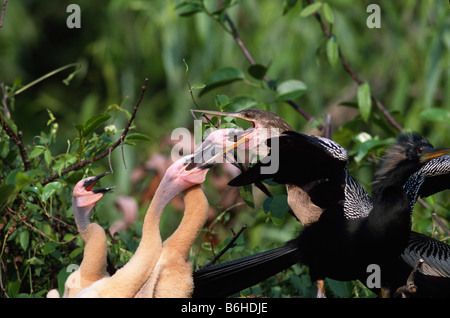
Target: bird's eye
<point>419,150</point>
<point>247,115</point>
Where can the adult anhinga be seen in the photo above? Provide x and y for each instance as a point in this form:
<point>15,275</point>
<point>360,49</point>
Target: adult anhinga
<point>267,124</point>
<point>93,265</point>
<point>351,232</point>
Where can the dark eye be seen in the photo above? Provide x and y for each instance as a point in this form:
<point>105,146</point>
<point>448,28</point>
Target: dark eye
<point>419,150</point>
<point>247,115</point>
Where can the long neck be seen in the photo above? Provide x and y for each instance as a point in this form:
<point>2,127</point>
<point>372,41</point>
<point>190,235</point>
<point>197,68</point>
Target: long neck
<point>93,265</point>
<point>389,223</point>
<point>82,217</point>
<point>128,280</point>
<point>195,216</point>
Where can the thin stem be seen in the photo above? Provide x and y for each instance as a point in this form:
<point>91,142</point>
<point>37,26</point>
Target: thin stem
<point>237,38</point>
<point>17,139</point>
<point>435,216</point>
<point>86,162</point>
<point>3,12</point>
<point>40,79</point>
<point>229,245</point>
<point>355,76</point>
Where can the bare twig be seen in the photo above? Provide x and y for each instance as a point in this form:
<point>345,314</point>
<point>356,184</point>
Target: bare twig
<point>252,61</point>
<point>3,12</point>
<point>410,287</point>
<point>435,216</point>
<point>62,222</point>
<point>17,139</point>
<point>86,162</point>
<point>355,76</point>
<point>229,245</point>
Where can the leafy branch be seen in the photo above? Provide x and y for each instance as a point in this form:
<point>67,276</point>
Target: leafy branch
<point>119,141</point>
<point>17,139</point>
<point>188,8</point>
<point>348,68</point>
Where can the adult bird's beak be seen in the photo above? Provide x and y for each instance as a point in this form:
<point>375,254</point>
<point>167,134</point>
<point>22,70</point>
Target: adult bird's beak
<point>208,163</point>
<point>219,113</point>
<point>246,138</point>
<point>429,154</point>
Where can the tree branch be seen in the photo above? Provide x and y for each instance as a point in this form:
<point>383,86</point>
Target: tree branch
<point>17,139</point>
<point>229,245</point>
<point>435,216</point>
<point>410,287</point>
<point>252,61</point>
<point>3,12</point>
<point>355,76</point>
<point>86,162</point>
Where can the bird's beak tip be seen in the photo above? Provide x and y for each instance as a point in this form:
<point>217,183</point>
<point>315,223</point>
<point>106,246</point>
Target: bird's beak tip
<point>104,190</point>
<point>435,153</point>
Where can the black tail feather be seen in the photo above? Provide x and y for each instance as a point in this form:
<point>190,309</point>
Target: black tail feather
<point>226,279</point>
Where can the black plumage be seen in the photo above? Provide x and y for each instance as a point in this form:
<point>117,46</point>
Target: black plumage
<point>352,232</point>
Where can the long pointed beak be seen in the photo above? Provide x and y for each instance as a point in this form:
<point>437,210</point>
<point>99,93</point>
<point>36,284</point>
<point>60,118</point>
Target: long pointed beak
<point>211,160</point>
<point>104,190</point>
<point>88,184</point>
<point>434,153</point>
<point>238,115</point>
<point>219,113</point>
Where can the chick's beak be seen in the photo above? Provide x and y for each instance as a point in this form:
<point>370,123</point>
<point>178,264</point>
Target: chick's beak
<point>104,190</point>
<point>89,184</point>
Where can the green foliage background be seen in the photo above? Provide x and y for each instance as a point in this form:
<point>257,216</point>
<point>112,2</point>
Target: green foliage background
<point>405,64</point>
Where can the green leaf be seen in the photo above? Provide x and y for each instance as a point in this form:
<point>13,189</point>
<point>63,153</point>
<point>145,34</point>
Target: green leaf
<point>4,148</point>
<point>76,252</point>
<point>93,123</point>
<point>52,117</point>
<point>328,13</point>
<point>37,151</point>
<point>340,289</point>
<point>288,5</point>
<point>257,71</point>
<point>247,195</point>
<point>24,238</point>
<point>6,190</point>
<point>49,190</point>
<point>32,189</point>
<point>198,86</point>
<point>222,77</point>
<point>436,114</point>
<point>266,205</point>
<point>222,101</point>
<point>239,103</point>
<point>49,247</point>
<point>137,136</point>
<point>21,180</point>
<point>307,11</point>
<point>62,277</point>
<point>290,89</point>
<point>188,8</point>
<point>47,157</point>
<point>35,261</point>
<point>279,206</point>
<point>364,101</point>
<point>332,51</point>
<point>365,144</point>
